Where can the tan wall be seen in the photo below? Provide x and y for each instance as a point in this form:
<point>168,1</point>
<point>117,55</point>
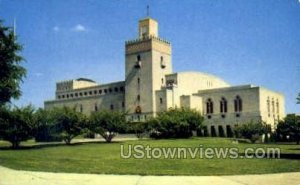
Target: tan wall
<point>151,75</point>
<point>192,102</point>
<point>250,104</point>
<point>274,113</point>
<point>103,102</point>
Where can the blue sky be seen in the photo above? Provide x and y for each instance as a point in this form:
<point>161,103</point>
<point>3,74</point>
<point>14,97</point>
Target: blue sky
<point>243,42</point>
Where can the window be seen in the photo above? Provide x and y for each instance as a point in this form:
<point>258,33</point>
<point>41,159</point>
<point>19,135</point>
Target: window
<point>80,94</point>
<point>100,91</point>
<point>268,106</point>
<point>95,91</point>
<point>238,107</point>
<point>162,62</point>
<point>85,93</point>
<point>110,90</point>
<point>209,107</point>
<point>90,92</point>
<point>277,106</point>
<point>116,89</point>
<point>138,97</point>
<point>273,106</point>
<point>105,90</point>
<point>96,107</point>
<point>76,94</point>
<point>223,105</point>
<point>123,104</point>
<point>138,81</point>
<point>67,95</point>
<point>122,89</point>
<point>81,108</point>
<point>138,62</point>
<point>160,100</point>
<point>58,97</point>
<point>111,107</point>
<point>63,96</point>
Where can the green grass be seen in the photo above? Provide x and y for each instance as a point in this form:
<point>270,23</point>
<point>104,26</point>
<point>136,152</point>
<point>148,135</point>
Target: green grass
<point>104,158</point>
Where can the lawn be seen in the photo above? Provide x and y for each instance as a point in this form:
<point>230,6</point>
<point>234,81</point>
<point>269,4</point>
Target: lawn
<point>104,158</point>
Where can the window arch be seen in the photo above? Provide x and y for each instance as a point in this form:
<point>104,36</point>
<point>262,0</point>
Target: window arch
<point>223,105</point>
<point>238,104</point>
<point>209,106</point>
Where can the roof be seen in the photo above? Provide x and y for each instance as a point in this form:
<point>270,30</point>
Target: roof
<point>85,79</point>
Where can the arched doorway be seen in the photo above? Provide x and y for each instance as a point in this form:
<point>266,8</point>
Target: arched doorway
<point>221,131</point>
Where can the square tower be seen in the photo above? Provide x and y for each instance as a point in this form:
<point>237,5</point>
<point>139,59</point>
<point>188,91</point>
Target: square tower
<point>147,61</point>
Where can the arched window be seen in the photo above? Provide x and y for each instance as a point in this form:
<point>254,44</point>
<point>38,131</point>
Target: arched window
<point>138,80</point>
<point>268,106</point>
<point>238,104</point>
<point>209,107</point>
<point>138,97</point>
<point>223,105</point>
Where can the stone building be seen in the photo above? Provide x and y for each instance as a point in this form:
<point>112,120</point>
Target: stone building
<point>151,86</point>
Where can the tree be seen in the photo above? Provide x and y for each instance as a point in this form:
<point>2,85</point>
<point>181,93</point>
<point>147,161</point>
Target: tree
<point>290,126</point>
<point>252,130</point>
<point>11,72</point>
<point>46,128</point>
<point>107,123</point>
<point>298,99</point>
<point>16,124</point>
<point>69,122</point>
<point>139,128</point>
<point>176,123</point>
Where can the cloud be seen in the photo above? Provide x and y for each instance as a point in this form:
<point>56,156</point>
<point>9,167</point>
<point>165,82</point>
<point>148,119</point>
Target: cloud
<point>56,28</point>
<point>38,74</point>
<point>79,28</point>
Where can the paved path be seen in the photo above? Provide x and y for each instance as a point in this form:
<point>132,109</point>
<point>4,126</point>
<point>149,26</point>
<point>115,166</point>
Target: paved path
<point>14,177</point>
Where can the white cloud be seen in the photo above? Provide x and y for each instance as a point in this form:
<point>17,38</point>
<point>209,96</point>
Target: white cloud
<point>38,74</point>
<point>79,28</point>
<point>56,28</point>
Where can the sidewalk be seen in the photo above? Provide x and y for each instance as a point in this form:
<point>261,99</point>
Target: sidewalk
<point>15,177</point>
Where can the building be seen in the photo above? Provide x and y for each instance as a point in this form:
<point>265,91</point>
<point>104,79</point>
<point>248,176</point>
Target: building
<point>151,86</point>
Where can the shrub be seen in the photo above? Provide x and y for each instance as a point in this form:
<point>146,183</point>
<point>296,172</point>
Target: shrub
<point>252,130</point>
<point>175,123</point>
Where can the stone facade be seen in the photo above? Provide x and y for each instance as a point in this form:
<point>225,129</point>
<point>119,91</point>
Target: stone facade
<point>150,87</point>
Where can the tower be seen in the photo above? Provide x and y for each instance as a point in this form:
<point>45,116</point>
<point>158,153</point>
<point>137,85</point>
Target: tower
<point>147,61</point>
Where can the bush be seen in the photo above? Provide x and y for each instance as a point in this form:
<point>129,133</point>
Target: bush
<point>175,123</point>
<point>252,130</point>
<point>140,129</point>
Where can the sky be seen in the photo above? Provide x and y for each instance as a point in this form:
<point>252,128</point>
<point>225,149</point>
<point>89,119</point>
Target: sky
<point>243,42</point>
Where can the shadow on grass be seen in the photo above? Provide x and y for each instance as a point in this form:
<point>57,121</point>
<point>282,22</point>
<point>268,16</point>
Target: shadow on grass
<point>50,145</point>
